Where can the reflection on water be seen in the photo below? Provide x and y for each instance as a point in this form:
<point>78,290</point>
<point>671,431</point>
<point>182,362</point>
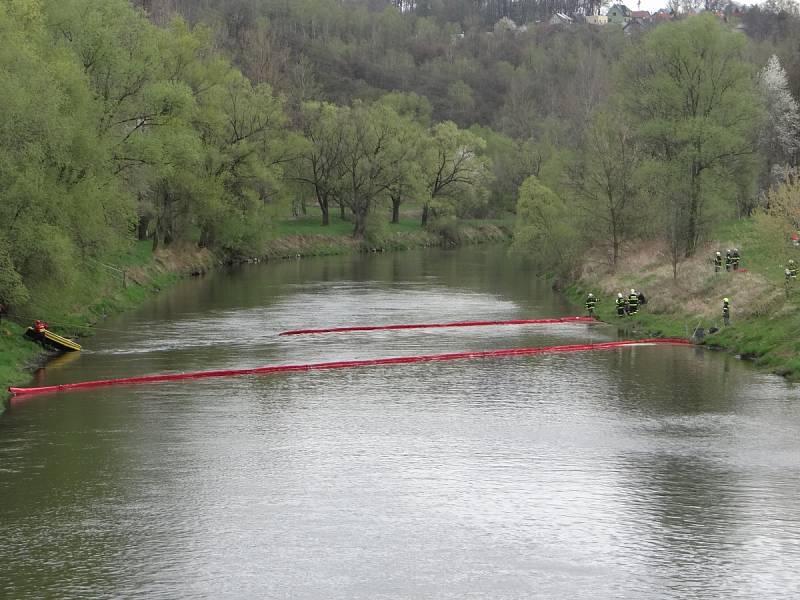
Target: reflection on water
<point>645,472</point>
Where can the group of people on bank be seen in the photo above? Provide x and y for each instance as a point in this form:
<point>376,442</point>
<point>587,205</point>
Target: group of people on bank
<point>731,260</point>
<point>626,305</point>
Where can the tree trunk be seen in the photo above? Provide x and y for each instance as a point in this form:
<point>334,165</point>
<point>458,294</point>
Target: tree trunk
<point>144,224</point>
<point>341,210</point>
<point>206,238</point>
<point>694,209</point>
<point>425,211</point>
<point>360,224</point>
<point>156,236</point>
<point>395,210</point>
<point>322,199</point>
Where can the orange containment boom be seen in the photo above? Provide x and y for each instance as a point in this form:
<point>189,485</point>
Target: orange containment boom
<point>435,325</point>
<point>345,365</point>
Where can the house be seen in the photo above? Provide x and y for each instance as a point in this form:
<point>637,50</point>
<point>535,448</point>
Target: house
<point>661,16</point>
<point>619,14</point>
<point>596,19</point>
<point>560,19</point>
<point>642,16</point>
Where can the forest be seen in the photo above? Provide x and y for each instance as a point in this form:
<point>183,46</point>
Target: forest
<point>202,122</point>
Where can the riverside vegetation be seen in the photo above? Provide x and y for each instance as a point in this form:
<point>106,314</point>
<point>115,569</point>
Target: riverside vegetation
<point>214,131</point>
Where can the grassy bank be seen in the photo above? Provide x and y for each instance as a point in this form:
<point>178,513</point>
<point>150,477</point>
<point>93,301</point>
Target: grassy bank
<point>765,321</point>
<point>126,280</point>
<point>306,237</point>
<point>105,289</point>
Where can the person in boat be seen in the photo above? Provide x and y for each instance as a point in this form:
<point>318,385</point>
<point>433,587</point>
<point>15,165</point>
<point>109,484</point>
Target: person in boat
<point>633,302</point>
<point>718,262</point>
<point>735,258</point>
<point>591,302</point>
<point>726,311</point>
<point>622,306</point>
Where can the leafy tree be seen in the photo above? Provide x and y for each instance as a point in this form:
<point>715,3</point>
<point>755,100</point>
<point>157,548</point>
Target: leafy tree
<point>376,139</point>
<point>604,181</point>
<point>451,162</point>
<point>59,205</point>
<point>320,158</point>
<point>545,230</point>
<point>691,90</point>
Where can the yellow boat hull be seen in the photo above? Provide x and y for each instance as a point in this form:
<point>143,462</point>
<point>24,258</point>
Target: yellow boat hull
<point>53,340</point>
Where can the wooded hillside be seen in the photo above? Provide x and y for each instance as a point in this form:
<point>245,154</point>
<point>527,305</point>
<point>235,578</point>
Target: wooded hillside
<point>203,122</point>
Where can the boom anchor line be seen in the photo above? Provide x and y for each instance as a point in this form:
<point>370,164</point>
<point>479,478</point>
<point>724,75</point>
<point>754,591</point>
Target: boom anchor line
<point>348,364</point>
<point>554,321</point>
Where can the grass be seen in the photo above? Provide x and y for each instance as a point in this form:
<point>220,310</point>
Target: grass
<point>338,227</point>
<point>765,320</point>
<point>17,356</point>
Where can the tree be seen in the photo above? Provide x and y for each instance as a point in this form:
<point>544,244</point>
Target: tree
<point>604,180</point>
<point>59,203</point>
<point>545,230</point>
<point>319,160</point>
<point>452,160</point>
<point>780,129</point>
<point>691,91</point>
<point>376,140</point>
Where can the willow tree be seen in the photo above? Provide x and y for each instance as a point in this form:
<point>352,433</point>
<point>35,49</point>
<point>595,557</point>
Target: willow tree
<point>452,161</point>
<point>546,231</point>
<point>376,141</point>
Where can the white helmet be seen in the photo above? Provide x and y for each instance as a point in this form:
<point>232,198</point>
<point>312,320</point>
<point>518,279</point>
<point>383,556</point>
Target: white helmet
<point>718,253</point>
<point>619,294</point>
<point>633,291</point>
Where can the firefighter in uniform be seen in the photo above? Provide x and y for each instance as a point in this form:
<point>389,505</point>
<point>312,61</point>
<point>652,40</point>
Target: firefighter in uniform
<point>726,311</point>
<point>621,305</point>
<point>591,301</point>
<point>718,262</point>
<point>792,269</point>
<point>633,302</point>
<point>728,260</point>
<point>735,258</point>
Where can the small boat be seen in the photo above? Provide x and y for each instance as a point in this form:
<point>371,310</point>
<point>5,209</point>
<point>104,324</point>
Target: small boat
<point>41,334</point>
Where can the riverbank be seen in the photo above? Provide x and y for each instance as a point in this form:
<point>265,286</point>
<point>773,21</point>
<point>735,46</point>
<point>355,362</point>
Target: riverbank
<point>108,291</point>
<point>765,321</point>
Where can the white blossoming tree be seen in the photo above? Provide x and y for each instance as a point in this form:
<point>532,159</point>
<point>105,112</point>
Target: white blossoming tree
<point>780,134</point>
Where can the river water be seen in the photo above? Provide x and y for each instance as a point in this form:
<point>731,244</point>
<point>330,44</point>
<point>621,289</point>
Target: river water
<point>645,472</point>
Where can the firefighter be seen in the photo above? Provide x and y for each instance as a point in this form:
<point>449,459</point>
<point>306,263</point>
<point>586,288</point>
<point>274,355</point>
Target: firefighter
<point>735,258</point>
<point>591,301</point>
<point>728,260</point>
<point>718,262</point>
<point>633,302</point>
<point>792,269</point>
<point>726,311</point>
<point>621,305</point>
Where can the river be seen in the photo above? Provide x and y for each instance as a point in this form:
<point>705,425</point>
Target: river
<point>643,472</point>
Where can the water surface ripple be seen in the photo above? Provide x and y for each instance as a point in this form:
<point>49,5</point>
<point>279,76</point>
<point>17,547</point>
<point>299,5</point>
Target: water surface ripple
<point>651,472</point>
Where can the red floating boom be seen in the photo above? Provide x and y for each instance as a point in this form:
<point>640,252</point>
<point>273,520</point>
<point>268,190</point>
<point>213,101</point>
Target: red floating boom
<point>435,325</point>
<point>344,365</point>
